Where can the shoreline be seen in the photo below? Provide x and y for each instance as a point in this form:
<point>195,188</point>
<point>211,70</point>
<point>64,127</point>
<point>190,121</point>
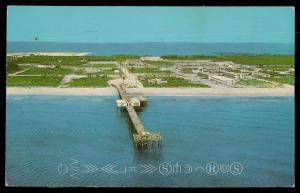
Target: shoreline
<point>49,54</point>
<point>110,91</point>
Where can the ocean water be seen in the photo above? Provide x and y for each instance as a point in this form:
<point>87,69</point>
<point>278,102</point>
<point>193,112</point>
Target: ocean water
<point>157,49</point>
<point>207,142</point>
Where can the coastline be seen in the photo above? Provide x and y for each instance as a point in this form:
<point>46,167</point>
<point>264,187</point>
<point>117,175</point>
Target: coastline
<point>48,54</point>
<point>110,91</point>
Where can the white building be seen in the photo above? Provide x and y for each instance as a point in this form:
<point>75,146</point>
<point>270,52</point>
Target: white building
<point>121,103</point>
<point>135,102</point>
<point>151,58</point>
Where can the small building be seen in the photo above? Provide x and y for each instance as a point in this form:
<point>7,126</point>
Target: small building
<point>292,71</point>
<point>121,103</point>
<point>116,71</point>
<point>284,72</point>
<point>163,82</point>
<point>151,58</point>
<point>135,102</point>
<point>152,82</point>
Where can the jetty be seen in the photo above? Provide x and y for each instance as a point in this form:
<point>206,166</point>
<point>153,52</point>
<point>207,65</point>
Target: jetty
<point>141,137</point>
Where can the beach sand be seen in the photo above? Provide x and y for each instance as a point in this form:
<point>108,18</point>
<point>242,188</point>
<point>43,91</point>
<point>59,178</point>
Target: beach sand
<point>110,91</point>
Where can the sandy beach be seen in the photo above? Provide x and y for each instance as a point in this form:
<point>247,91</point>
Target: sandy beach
<point>110,91</point>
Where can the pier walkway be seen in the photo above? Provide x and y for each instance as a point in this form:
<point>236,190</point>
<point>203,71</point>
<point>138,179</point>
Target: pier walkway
<point>142,138</point>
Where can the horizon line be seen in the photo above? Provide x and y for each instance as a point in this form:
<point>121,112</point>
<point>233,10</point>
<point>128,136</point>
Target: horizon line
<point>151,42</point>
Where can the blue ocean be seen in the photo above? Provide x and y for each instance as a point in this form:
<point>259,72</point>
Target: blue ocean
<point>60,141</point>
<point>157,49</point>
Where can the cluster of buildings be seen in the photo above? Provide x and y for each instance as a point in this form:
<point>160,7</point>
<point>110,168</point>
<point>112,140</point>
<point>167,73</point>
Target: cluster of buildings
<point>218,72</point>
<point>226,72</point>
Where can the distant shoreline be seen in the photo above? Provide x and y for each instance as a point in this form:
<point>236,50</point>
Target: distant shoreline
<point>49,54</point>
<point>110,91</point>
<point>154,48</point>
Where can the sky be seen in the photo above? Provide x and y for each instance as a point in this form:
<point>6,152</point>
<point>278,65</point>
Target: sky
<point>151,24</point>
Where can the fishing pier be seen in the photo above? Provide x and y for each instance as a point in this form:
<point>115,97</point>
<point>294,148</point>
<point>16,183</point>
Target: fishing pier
<point>141,137</point>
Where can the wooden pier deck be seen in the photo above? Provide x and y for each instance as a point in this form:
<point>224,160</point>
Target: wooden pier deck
<point>142,138</point>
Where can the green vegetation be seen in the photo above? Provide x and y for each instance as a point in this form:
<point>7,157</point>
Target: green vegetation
<point>255,83</point>
<point>90,82</point>
<point>283,79</point>
<point>47,71</point>
<point>107,72</point>
<point>270,64</point>
<point>67,60</point>
<point>27,81</point>
<point>187,70</point>
<point>110,58</point>
<point>242,59</point>
<point>144,70</point>
<point>101,65</point>
<point>276,67</point>
<point>49,60</point>
<point>78,60</point>
<point>103,72</point>
<point>175,82</point>
<point>12,65</point>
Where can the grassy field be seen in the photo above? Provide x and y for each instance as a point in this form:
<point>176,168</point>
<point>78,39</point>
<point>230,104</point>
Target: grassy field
<point>80,60</point>
<point>101,65</point>
<point>47,71</point>
<point>103,72</point>
<point>175,82</point>
<point>144,70</point>
<point>107,72</point>
<point>67,60</point>
<point>255,83</point>
<point>12,66</point>
<point>277,67</point>
<point>27,81</point>
<point>90,82</point>
<point>283,79</point>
